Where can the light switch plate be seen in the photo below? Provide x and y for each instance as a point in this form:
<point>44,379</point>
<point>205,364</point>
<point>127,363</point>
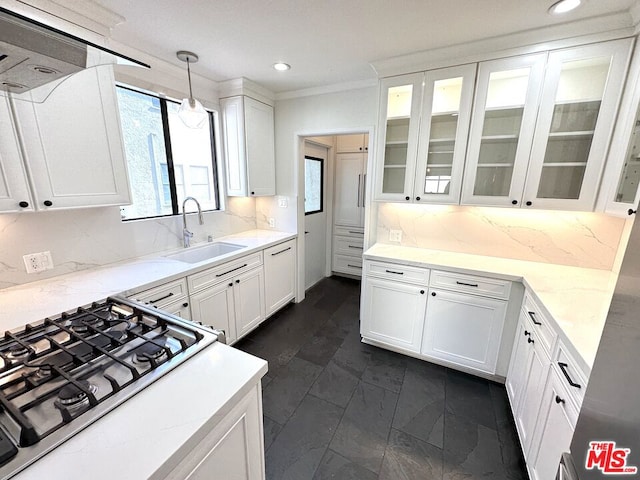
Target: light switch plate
<point>283,202</point>
<point>395,235</point>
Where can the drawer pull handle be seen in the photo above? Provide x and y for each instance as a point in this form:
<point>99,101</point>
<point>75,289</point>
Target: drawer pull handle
<point>467,284</point>
<point>527,334</point>
<point>530,340</point>
<point>354,266</point>
<point>161,298</point>
<point>232,270</point>
<point>559,400</point>
<point>563,367</point>
<point>353,246</point>
<point>393,271</point>
<point>356,233</point>
<point>281,251</point>
<point>533,318</point>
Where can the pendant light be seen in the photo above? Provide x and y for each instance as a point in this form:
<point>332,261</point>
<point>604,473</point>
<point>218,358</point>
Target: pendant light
<point>191,111</point>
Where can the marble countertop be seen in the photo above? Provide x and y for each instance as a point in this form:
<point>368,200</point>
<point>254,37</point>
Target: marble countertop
<point>137,442</point>
<point>34,301</point>
<point>577,299</point>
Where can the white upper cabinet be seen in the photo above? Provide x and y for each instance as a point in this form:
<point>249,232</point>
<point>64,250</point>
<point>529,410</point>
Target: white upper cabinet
<point>400,104</point>
<point>427,121</point>
<point>578,108</point>
<point>15,195</point>
<point>249,147</point>
<point>502,130</point>
<point>73,144</point>
<point>446,111</point>
<point>358,143</point>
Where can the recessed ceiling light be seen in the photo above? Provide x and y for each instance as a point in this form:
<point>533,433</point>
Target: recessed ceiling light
<point>281,66</point>
<point>563,6</point>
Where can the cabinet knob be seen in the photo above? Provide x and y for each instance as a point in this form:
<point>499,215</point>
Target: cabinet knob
<point>238,281</point>
<point>421,292</point>
<point>47,203</point>
<point>418,199</point>
<point>514,202</point>
<point>231,284</point>
<point>559,400</point>
<point>527,334</point>
<point>24,204</point>
<point>530,340</point>
<point>253,193</point>
<point>433,294</point>
<point>407,198</point>
<point>360,148</point>
<point>185,304</point>
<point>528,204</point>
<point>631,211</point>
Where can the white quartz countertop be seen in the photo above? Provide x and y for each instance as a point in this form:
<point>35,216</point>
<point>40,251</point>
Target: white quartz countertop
<point>34,301</point>
<point>137,438</point>
<point>576,298</point>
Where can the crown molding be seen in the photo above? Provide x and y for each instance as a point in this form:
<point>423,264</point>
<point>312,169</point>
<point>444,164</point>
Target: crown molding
<point>333,88</point>
<point>244,86</point>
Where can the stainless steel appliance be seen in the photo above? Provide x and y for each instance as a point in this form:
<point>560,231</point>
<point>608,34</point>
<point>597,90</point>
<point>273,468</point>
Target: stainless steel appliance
<point>60,375</point>
<point>607,436</point>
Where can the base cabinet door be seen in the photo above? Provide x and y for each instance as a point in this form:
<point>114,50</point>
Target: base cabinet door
<point>464,329</point>
<point>248,295</point>
<point>279,275</point>
<point>215,306</point>
<point>233,450</point>
<point>517,366</point>
<point>180,309</point>
<point>554,431</point>
<point>393,313</point>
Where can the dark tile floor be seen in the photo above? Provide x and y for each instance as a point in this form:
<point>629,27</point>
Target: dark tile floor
<point>335,408</point>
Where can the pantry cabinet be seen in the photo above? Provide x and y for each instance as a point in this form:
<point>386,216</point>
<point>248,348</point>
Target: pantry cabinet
<point>72,143</point>
<point>248,129</point>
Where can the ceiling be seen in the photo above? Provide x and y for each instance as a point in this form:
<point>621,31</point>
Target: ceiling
<point>326,41</point>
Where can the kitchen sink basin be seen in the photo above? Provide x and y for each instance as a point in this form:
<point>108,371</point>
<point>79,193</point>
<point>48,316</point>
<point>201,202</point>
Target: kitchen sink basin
<point>206,252</point>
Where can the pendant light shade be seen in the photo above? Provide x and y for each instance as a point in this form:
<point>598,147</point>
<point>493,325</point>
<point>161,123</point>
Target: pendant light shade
<point>191,111</point>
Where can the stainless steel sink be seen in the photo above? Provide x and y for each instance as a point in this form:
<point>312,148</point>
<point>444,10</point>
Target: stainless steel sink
<point>206,252</point>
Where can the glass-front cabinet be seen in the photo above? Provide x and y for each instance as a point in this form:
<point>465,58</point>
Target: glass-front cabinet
<point>577,112</point>
<point>502,130</point>
<point>426,118</point>
<point>400,102</point>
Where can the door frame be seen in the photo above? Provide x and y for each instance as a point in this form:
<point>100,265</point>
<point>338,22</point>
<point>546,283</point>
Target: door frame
<point>300,137</point>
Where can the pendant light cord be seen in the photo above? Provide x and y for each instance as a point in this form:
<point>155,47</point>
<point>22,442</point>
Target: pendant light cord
<point>189,75</point>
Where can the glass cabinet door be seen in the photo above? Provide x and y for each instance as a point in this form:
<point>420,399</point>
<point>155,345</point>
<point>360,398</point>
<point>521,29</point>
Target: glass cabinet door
<point>577,111</point>
<point>502,130</point>
<point>446,111</point>
<point>400,101</point>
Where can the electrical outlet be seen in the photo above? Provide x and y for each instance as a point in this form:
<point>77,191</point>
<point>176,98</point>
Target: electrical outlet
<point>283,202</point>
<point>37,262</point>
<point>272,222</point>
<point>395,235</point>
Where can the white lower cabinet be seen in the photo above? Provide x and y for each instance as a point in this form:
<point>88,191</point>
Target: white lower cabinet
<point>248,299</point>
<point>464,329</point>
<point>234,449</point>
<point>279,275</point>
<point>215,306</point>
<point>393,313</point>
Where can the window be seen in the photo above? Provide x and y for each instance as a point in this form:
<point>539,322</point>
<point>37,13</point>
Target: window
<point>167,161</point>
<point>313,178</point>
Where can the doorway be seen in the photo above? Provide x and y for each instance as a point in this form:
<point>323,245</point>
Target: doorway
<point>315,218</point>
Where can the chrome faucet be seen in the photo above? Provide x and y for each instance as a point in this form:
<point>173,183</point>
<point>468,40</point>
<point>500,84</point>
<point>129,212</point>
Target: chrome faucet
<point>186,234</point>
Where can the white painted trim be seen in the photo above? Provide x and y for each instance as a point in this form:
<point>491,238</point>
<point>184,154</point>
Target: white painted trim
<point>336,87</point>
<point>590,30</point>
<point>244,86</point>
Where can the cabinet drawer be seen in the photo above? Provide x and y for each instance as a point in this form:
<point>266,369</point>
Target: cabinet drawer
<point>349,246</point>
<point>487,287</point>
<point>399,273</point>
<point>541,324</point>
<point>164,294</point>
<point>222,272</point>
<point>573,378</point>
<point>350,265</point>
<point>348,231</point>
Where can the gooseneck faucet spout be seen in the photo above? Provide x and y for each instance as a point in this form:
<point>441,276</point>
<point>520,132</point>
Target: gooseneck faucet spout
<point>186,234</point>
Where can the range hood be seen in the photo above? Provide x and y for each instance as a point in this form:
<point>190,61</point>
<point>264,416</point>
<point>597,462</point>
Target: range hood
<point>33,54</point>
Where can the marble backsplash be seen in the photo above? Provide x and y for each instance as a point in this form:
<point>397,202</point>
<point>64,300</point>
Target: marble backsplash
<point>86,238</point>
<point>579,239</point>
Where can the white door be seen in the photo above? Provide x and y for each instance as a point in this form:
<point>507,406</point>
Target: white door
<point>315,219</point>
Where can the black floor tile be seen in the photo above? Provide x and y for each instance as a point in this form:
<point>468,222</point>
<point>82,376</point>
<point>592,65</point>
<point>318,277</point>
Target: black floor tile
<point>408,458</point>
<point>335,384</point>
<point>362,434</point>
<point>469,396</point>
<point>285,392</point>
<point>385,369</point>
<point>336,467</point>
<point>297,451</point>
<point>271,431</point>
<point>320,348</point>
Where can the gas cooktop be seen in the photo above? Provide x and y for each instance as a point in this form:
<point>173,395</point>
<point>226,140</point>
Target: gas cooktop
<point>60,375</point>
